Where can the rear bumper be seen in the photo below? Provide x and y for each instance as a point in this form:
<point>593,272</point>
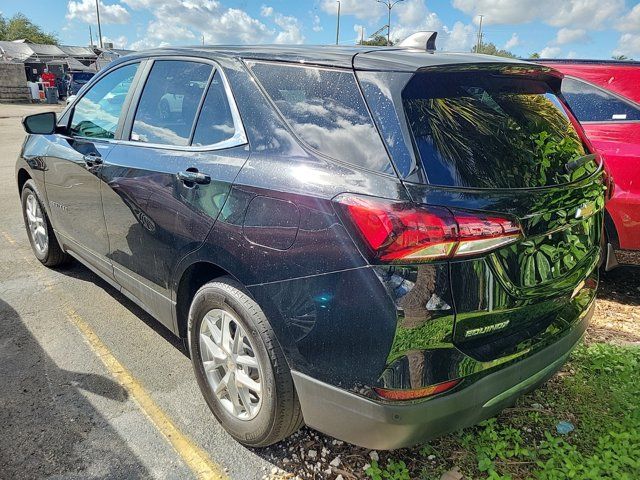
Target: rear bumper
<point>374,425</point>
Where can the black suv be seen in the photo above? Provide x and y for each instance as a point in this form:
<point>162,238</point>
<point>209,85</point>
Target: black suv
<point>383,243</point>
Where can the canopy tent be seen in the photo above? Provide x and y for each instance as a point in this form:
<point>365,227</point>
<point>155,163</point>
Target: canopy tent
<point>15,52</point>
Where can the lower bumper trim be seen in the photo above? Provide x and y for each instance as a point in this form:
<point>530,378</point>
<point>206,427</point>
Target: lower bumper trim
<point>384,426</point>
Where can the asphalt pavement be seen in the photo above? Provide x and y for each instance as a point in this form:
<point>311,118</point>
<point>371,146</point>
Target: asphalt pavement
<point>90,385</point>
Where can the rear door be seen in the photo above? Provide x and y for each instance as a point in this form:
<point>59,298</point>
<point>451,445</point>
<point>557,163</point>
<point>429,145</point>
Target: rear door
<point>168,178</point>
<point>497,140</point>
<point>74,164</point>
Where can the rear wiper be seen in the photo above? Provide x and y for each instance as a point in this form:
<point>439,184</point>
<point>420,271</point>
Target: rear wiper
<point>578,162</point>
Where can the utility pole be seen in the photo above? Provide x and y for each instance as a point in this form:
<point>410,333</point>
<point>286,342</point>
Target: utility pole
<point>90,36</point>
<point>99,27</point>
<point>338,25</point>
<point>389,4</point>
<point>361,35</point>
<point>479,40</point>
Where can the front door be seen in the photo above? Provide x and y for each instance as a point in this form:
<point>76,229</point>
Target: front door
<point>166,182</point>
<point>74,162</point>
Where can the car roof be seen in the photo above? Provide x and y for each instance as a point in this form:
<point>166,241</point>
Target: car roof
<point>359,57</point>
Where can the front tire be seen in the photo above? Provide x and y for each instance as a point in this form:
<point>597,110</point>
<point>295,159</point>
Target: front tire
<point>43,241</point>
<point>240,367</point>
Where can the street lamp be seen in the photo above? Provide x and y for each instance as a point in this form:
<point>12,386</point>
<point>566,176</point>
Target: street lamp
<point>389,4</point>
<point>338,24</point>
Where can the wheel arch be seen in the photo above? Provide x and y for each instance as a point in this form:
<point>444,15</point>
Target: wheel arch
<point>193,277</point>
<point>23,176</point>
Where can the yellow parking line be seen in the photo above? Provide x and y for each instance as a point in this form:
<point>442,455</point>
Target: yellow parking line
<point>195,458</point>
<point>8,238</point>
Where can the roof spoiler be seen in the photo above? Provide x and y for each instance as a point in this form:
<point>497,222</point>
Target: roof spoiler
<point>421,40</point>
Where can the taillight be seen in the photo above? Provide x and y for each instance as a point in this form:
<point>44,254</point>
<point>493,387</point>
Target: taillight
<point>389,394</point>
<point>405,232</point>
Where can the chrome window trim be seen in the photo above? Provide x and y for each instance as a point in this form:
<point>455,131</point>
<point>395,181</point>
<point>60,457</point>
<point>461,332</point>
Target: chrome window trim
<point>239,137</point>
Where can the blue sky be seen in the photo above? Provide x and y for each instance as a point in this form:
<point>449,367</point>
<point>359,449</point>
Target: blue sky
<point>554,28</point>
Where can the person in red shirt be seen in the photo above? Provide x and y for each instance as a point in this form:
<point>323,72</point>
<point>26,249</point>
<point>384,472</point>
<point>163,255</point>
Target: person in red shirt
<point>48,78</point>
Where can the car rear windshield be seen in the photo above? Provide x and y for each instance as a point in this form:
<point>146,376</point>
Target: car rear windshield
<point>484,129</point>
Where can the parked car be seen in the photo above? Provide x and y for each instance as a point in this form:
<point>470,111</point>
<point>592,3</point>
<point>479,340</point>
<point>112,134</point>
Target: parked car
<point>385,244</point>
<point>75,81</point>
<point>605,97</point>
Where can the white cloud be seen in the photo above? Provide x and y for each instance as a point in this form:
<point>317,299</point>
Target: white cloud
<point>514,41</point>
<point>569,35</point>
<point>317,26</point>
<point>85,11</point>
<point>576,13</point>
<point>186,21</point>
<point>629,45</point>
<point>631,21</point>
<point>118,42</point>
<point>416,16</point>
<point>291,29</point>
<point>550,52</point>
<point>362,9</point>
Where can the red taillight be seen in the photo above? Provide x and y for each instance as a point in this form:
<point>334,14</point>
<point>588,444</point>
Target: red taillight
<point>389,394</point>
<point>402,231</point>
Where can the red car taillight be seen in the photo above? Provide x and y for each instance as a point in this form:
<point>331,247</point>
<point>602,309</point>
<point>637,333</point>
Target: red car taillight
<point>389,394</point>
<point>406,232</point>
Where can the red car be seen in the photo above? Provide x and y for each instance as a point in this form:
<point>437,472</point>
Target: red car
<point>605,97</point>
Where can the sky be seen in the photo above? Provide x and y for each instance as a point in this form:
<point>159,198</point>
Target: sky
<point>553,28</point>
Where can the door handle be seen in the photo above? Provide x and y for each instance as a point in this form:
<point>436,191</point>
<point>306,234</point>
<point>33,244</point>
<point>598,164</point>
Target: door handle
<point>92,159</point>
<point>193,177</point>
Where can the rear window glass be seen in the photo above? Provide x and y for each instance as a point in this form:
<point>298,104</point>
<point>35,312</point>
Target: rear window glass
<point>326,110</point>
<point>592,104</point>
<point>486,130</point>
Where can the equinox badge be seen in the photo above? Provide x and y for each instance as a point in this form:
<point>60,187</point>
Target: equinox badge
<point>488,329</point>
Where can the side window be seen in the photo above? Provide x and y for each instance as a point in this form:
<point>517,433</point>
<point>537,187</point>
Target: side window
<point>592,104</point>
<point>96,114</point>
<point>215,122</point>
<point>325,109</point>
<point>169,102</point>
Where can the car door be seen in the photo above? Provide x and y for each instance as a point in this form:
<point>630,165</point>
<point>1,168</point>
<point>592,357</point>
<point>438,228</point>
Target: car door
<point>74,161</point>
<point>167,180</point>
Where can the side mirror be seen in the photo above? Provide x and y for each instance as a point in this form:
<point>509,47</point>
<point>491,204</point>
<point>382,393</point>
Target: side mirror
<point>40,123</point>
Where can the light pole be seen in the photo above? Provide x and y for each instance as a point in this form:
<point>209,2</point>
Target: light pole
<point>98,15</point>
<point>389,4</point>
<point>338,24</point>
<point>479,42</point>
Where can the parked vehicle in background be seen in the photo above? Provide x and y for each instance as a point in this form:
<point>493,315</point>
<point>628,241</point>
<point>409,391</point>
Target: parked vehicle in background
<point>75,81</point>
<point>387,244</point>
<point>605,97</point>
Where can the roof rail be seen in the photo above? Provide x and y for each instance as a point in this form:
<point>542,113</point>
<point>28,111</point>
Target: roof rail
<point>423,40</point>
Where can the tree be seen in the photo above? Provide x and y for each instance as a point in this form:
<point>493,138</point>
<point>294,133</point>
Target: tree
<point>621,57</point>
<point>490,49</point>
<point>376,41</point>
<point>534,55</point>
<point>19,27</point>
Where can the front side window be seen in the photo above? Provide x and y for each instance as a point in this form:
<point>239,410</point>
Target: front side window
<point>592,104</point>
<point>97,113</point>
<point>169,102</point>
<point>326,110</point>
<point>484,129</point>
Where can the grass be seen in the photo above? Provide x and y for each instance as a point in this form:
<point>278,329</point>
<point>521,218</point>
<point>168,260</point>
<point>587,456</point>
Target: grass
<point>598,392</point>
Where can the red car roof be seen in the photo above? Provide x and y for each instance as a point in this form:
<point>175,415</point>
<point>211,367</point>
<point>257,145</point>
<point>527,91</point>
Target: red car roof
<point>615,76</point>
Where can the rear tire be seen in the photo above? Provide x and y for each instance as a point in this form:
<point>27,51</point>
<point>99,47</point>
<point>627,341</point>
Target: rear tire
<point>42,238</point>
<point>248,354</point>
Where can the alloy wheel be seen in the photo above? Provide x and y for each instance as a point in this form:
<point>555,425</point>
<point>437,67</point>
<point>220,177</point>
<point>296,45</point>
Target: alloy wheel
<point>230,364</point>
<point>37,224</point>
